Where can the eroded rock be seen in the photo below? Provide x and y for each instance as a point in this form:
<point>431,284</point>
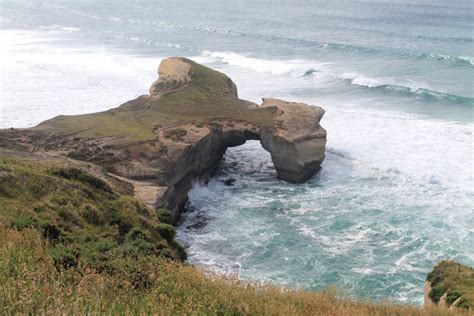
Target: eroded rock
<point>180,132</point>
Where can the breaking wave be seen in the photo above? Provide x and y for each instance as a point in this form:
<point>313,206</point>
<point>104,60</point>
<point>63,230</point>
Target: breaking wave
<point>307,68</point>
<point>404,86</point>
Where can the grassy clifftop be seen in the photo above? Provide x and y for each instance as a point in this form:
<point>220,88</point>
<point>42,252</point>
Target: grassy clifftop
<point>75,242</point>
<point>208,95</point>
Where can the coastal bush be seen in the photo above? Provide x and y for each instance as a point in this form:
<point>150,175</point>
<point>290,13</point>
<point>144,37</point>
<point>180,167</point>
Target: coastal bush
<point>452,296</point>
<point>79,175</point>
<point>164,215</point>
<point>166,231</point>
<point>91,215</point>
<point>64,257</point>
<point>47,229</point>
<point>175,134</point>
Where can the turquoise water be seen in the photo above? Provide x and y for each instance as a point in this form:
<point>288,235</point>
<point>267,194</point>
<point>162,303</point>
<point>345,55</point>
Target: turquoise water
<point>396,78</point>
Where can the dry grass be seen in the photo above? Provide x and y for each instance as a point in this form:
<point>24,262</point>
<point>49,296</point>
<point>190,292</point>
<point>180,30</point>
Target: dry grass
<point>73,244</point>
<point>30,283</point>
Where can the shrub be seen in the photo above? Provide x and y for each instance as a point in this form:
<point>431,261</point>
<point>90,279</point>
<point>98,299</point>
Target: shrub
<point>104,245</point>
<point>91,215</point>
<point>81,176</point>
<point>123,223</point>
<point>138,248</point>
<point>164,215</point>
<point>47,229</point>
<point>166,231</point>
<point>50,231</point>
<point>436,293</point>
<point>136,234</point>
<point>64,257</point>
<point>451,296</point>
<point>23,222</point>
<point>463,303</point>
<point>175,134</point>
<point>179,249</point>
<point>67,215</point>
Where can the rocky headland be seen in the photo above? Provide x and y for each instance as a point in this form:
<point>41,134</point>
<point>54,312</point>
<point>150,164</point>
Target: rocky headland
<point>163,141</point>
<point>87,204</point>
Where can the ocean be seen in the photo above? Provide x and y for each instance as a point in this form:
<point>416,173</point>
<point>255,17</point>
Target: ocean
<point>396,78</point>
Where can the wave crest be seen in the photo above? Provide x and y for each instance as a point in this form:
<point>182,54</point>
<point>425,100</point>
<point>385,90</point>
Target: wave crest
<point>297,68</point>
<point>404,86</point>
<point>306,68</point>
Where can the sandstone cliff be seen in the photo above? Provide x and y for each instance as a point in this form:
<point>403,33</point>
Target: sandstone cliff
<point>163,141</point>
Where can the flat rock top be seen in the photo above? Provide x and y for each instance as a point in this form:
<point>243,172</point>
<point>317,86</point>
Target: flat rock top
<point>295,121</point>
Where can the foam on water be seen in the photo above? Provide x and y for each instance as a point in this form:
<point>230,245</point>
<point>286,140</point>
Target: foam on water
<point>276,67</point>
<point>361,224</point>
<point>322,71</point>
<point>51,80</point>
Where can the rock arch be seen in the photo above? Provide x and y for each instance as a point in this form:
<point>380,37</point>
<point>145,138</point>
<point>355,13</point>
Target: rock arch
<point>180,131</point>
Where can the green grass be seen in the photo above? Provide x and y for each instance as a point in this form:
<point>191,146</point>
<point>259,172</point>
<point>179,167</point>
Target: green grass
<point>209,95</point>
<point>86,220</point>
<point>31,283</point>
<point>76,242</point>
<point>454,279</point>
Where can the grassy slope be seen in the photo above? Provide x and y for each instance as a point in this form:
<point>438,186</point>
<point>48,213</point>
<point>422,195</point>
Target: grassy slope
<point>31,283</point>
<point>86,220</point>
<point>454,279</point>
<point>72,243</point>
<point>207,96</point>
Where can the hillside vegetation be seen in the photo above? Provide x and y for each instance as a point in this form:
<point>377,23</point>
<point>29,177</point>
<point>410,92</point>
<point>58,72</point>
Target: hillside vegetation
<point>455,282</point>
<point>75,242</point>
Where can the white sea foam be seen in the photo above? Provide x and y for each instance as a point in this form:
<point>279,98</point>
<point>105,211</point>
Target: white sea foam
<point>365,271</point>
<point>361,80</point>
<point>322,73</point>
<point>56,80</point>
<point>468,59</point>
<point>56,27</point>
<point>140,39</point>
<point>276,67</point>
<point>115,19</point>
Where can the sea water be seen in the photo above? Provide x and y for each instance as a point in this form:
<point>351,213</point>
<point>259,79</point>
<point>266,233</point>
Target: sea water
<point>396,78</point>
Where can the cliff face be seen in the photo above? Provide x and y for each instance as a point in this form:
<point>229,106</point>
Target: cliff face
<point>161,142</point>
